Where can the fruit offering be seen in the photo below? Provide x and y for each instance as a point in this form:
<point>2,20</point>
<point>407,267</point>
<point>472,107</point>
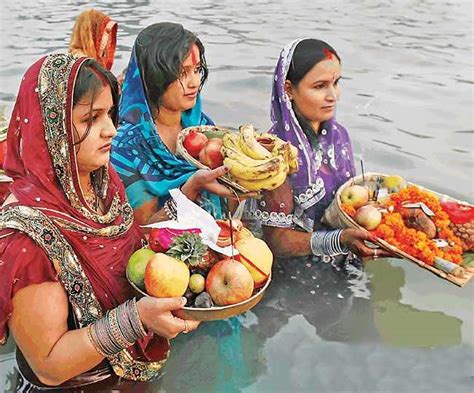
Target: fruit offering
<point>462,222</point>
<point>407,217</point>
<point>256,162</point>
<point>185,266</point>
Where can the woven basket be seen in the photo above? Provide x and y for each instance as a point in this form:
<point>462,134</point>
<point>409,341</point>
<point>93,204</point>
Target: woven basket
<point>335,216</point>
<point>181,151</point>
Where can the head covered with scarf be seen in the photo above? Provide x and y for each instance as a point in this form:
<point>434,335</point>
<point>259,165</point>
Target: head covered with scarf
<point>147,167</point>
<point>41,160</point>
<point>325,161</point>
<point>94,35</point>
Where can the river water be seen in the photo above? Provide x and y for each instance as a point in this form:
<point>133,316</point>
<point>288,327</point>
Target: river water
<point>407,100</point>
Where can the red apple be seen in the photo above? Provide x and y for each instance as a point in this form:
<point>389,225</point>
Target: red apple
<point>368,216</point>
<point>355,195</point>
<point>229,282</point>
<point>194,142</point>
<point>211,155</point>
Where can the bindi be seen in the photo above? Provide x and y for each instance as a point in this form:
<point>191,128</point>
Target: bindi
<point>194,56</point>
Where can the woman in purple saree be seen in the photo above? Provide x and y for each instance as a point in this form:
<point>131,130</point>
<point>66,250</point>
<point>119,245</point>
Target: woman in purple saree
<point>305,92</point>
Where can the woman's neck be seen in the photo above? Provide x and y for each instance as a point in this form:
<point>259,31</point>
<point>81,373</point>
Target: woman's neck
<point>168,118</point>
<point>85,181</point>
<point>168,125</point>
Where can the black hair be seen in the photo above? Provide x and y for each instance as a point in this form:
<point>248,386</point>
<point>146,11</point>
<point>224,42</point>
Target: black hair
<point>306,55</point>
<point>90,80</point>
<point>161,49</point>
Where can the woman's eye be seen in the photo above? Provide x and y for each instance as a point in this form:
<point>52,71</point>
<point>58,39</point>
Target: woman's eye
<point>319,87</point>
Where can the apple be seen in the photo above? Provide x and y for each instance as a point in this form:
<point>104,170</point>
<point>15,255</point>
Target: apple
<point>137,264</point>
<point>394,183</point>
<point>257,257</point>
<point>368,216</point>
<point>194,142</point>
<point>197,283</point>
<point>355,196</point>
<point>229,282</point>
<point>166,276</point>
<point>210,155</point>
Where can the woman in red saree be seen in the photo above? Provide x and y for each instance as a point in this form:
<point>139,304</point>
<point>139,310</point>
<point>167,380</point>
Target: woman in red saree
<point>94,35</point>
<point>66,234</point>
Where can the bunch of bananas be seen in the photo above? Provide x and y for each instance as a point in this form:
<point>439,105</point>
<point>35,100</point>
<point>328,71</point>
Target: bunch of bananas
<point>258,162</point>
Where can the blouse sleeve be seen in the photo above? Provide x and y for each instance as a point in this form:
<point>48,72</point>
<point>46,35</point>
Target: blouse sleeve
<point>275,208</point>
<point>22,263</point>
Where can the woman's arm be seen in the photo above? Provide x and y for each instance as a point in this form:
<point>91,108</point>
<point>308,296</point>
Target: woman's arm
<point>39,327</point>
<point>56,354</point>
<point>292,243</point>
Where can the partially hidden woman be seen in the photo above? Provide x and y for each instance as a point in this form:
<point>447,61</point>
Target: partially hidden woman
<point>160,97</point>
<point>303,107</point>
<point>66,234</point>
<point>94,35</point>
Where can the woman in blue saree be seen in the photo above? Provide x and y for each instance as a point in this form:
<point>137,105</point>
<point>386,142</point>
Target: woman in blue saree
<point>160,97</point>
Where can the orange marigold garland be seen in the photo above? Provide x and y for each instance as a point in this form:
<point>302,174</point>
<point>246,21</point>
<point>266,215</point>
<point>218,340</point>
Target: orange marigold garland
<point>348,209</point>
<point>393,230</point>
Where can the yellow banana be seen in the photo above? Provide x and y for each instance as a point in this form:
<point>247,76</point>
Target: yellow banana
<point>293,164</point>
<point>242,158</point>
<point>249,144</point>
<point>266,184</point>
<point>267,169</point>
<point>231,141</point>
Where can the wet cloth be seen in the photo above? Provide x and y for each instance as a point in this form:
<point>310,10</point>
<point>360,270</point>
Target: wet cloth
<point>146,166</point>
<point>51,233</point>
<point>325,162</point>
<point>94,35</point>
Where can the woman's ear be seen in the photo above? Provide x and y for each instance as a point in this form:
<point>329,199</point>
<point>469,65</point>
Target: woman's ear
<point>289,89</point>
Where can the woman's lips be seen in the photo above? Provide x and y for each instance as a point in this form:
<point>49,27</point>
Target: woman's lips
<point>106,147</point>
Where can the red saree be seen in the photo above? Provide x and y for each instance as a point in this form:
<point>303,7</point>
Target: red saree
<point>65,240</point>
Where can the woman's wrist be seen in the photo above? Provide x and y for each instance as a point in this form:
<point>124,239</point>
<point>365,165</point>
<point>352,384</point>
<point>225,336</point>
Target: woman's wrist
<point>327,243</point>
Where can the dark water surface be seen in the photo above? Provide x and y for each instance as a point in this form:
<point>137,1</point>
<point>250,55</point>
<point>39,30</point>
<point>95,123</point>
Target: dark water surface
<point>407,100</point>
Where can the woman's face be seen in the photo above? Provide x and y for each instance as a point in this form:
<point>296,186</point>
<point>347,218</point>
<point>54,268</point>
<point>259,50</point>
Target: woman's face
<point>316,94</point>
<point>182,93</point>
<point>94,151</point>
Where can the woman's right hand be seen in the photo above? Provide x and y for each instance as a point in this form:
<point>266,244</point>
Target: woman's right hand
<point>205,179</point>
<point>354,240</point>
<point>155,314</point>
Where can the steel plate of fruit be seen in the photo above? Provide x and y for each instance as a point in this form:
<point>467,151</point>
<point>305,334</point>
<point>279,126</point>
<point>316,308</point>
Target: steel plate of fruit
<point>433,230</point>
<point>214,313</point>
<point>210,132</point>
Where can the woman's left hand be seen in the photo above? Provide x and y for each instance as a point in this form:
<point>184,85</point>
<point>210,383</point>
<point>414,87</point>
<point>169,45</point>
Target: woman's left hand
<point>205,179</point>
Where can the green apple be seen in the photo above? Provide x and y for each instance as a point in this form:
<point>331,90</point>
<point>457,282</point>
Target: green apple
<point>197,283</point>
<point>355,196</point>
<point>137,265</point>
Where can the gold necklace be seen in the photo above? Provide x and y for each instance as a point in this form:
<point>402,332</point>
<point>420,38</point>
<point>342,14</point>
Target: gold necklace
<point>91,198</point>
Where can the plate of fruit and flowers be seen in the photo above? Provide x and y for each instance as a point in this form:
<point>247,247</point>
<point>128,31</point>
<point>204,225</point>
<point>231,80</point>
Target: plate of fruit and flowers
<point>217,284</point>
<point>256,162</point>
<point>432,230</point>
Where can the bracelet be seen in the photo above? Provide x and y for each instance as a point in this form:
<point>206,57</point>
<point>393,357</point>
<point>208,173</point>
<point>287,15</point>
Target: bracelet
<point>118,330</point>
<point>93,341</point>
<point>327,243</point>
<point>171,209</point>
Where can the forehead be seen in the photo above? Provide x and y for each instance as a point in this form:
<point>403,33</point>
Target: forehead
<point>193,57</point>
<point>103,98</point>
<point>326,69</point>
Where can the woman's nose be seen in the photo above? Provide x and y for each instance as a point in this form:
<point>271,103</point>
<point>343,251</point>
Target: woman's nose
<point>109,130</point>
<point>194,80</point>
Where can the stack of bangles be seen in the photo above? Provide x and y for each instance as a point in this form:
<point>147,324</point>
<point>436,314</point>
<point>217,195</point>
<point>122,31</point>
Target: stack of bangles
<point>327,243</point>
<point>118,330</point>
<point>170,209</point>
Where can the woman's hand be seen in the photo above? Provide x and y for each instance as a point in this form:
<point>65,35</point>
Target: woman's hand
<point>354,239</point>
<point>155,314</point>
<point>205,179</point>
